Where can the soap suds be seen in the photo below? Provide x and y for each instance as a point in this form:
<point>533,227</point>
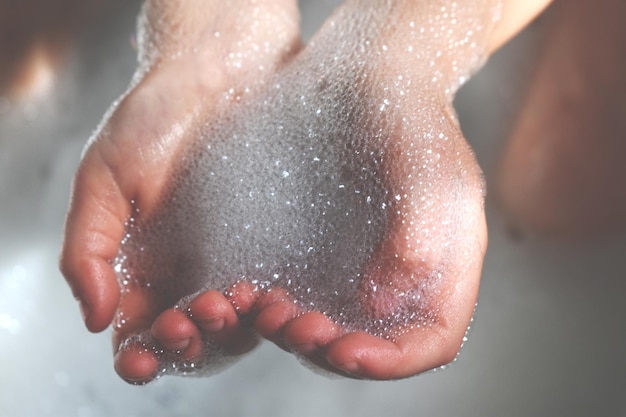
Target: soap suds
<point>341,179</point>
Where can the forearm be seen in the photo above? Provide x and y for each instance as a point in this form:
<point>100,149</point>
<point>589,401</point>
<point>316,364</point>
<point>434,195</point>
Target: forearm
<point>169,28</point>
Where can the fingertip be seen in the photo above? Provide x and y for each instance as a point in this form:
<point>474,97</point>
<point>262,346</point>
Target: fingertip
<point>310,331</point>
<point>172,326</point>
<point>136,365</point>
<point>363,355</point>
<point>271,319</point>
<point>212,312</point>
<point>99,295</point>
<point>98,321</point>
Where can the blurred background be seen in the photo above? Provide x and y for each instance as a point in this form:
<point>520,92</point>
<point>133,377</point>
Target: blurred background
<point>548,335</point>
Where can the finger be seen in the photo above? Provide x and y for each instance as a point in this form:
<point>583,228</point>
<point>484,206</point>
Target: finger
<point>175,331</point>
<point>310,332</point>
<point>516,14</point>
<point>363,355</point>
<point>138,308</point>
<point>134,361</point>
<point>93,231</point>
<point>214,315</point>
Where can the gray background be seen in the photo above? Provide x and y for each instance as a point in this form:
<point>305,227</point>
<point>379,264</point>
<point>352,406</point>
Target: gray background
<point>549,333</point>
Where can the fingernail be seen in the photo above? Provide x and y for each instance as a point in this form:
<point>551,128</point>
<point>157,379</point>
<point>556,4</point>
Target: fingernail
<point>213,325</point>
<point>84,311</point>
<point>349,367</point>
<point>306,348</point>
<point>179,344</point>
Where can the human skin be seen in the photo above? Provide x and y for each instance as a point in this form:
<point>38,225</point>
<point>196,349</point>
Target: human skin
<point>112,178</point>
<point>561,170</point>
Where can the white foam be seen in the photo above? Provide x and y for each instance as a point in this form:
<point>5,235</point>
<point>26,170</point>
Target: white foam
<point>342,178</point>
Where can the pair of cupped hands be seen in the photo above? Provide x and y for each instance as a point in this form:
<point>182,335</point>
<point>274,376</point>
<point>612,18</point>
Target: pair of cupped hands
<point>191,53</point>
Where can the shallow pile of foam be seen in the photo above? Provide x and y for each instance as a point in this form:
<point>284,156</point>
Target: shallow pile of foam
<point>337,181</point>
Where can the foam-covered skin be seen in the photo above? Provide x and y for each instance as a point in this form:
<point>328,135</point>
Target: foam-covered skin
<point>343,180</point>
<point>189,54</point>
<point>196,58</point>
